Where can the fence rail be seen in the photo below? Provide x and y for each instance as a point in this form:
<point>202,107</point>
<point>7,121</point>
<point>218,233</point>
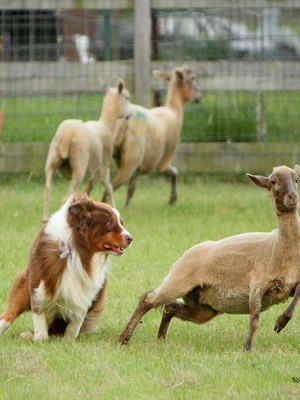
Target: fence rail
<point>52,77</point>
<point>158,4</point>
<point>217,158</point>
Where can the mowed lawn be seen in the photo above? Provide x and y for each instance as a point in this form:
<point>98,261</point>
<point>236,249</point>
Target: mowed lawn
<point>195,362</point>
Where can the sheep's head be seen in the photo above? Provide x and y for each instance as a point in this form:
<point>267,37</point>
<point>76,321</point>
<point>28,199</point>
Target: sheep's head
<point>185,80</point>
<point>116,99</point>
<point>282,185</point>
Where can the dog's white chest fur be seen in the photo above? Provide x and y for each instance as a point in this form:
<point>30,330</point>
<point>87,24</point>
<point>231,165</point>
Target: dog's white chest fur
<point>75,291</point>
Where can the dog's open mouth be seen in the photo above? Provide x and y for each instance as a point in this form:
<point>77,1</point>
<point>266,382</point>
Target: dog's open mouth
<point>118,251</point>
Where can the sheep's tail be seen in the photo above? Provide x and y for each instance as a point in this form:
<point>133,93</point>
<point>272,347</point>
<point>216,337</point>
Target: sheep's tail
<point>64,146</point>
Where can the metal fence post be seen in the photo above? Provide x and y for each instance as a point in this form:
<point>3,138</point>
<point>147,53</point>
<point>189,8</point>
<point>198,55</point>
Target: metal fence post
<point>142,51</point>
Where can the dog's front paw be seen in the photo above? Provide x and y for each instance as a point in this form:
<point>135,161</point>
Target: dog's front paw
<point>40,337</point>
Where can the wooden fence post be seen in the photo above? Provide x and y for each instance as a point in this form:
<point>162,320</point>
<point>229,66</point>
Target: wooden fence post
<point>261,124</point>
<point>142,51</point>
<point>1,117</point>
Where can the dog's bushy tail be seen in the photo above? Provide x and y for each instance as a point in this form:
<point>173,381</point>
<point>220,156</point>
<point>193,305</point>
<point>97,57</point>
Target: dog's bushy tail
<point>18,300</point>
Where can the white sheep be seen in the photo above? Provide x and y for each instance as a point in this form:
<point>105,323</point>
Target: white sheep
<point>148,140</point>
<point>242,274</point>
<point>87,146</point>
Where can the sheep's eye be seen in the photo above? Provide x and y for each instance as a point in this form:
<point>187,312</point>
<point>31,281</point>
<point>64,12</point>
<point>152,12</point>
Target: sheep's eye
<point>296,180</point>
<point>109,225</point>
<point>273,182</point>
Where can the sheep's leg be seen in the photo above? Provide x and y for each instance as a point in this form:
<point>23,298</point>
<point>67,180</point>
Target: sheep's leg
<point>47,194</point>
<point>108,193</point>
<point>143,307</point>
<point>130,190</point>
<point>89,186</point>
<point>198,313</point>
<point>78,165</point>
<point>77,177</point>
<point>255,306</point>
<point>75,181</point>
<point>149,300</point>
<point>104,197</point>
<point>48,189</point>
<point>172,172</point>
<point>122,176</point>
<point>18,301</point>
<point>94,172</point>
<point>179,281</point>
<point>131,156</point>
<point>284,318</point>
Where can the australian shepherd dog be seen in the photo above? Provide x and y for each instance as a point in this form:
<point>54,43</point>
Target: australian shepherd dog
<point>65,280</point>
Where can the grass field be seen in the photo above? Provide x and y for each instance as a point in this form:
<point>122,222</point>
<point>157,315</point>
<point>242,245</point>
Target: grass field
<point>220,117</point>
<point>195,362</point>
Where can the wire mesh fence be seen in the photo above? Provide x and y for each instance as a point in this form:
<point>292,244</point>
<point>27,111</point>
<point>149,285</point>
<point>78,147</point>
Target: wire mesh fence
<point>246,60</point>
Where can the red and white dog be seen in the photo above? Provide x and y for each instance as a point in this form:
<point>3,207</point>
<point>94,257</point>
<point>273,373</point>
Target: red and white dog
<point>64,283</point>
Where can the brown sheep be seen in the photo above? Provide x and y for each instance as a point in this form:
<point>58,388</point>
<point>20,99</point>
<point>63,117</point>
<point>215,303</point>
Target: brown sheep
<point>148,140</point>
<point>242,274</point>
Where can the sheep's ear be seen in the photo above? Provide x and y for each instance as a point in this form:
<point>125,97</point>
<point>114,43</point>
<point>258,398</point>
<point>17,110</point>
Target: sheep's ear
<point>261,181</point>
<point>104,86</point>
<point>120,85</point>
<point>297,169</point>
<point>161,74</point>
<point>179,75</point>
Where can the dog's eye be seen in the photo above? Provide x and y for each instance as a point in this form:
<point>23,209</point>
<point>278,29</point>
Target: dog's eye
<point>109,225</point>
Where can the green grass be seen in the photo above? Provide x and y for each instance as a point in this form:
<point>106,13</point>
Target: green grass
<point>221,116</point>
<point>195,362</point>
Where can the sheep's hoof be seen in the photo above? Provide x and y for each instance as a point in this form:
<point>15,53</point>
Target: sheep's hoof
<point>123,340</point>
<point>281,322</point>
<point>247,346</point>
<point>172,200</point>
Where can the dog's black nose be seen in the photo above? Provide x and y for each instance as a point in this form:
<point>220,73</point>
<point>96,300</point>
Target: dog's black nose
<point>128,239</point>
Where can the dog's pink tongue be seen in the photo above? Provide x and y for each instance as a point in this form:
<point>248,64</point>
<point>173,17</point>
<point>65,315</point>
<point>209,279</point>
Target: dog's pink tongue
<point>114,249</point>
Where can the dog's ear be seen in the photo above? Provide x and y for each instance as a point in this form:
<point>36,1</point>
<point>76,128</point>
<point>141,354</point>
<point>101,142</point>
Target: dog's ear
<point>120,85</point>
<point>161,74</point>
<point>80,213</point>
<point>76,208</point>
<point>79,204</point>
